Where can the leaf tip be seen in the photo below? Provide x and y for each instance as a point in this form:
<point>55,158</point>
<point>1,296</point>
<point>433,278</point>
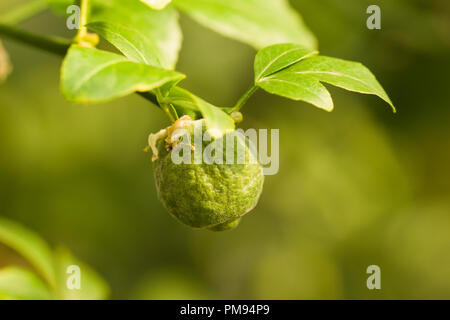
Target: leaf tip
<point>391,104</point>
<point>394,109</point>
<point>329,109</point>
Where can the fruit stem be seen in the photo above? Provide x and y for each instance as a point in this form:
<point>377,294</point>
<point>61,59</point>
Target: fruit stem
<point>244,98</point>
<point>165,106</point>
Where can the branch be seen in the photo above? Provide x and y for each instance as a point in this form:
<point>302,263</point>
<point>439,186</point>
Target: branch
<point>55,45</point>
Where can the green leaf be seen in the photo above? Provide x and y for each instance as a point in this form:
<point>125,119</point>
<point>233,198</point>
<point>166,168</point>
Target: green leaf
<point>91,75</point>
<point>181,100</point>
<point>156,4</point>
<point>92,285</point>
<point>302,80</point>
<point>30,246</point>
<point>130,42</point>
<point>296,87</point>
<point>21,284</point>
<point>352,76</point>
<point>160,27</point>
<point>217,121</point>
<point>259,23</point>
<point>279,56</point>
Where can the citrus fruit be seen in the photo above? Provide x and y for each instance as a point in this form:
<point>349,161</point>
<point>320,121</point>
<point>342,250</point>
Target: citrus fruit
<point>205,194</point>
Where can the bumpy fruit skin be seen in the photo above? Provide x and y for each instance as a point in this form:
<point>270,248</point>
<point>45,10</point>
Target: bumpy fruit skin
<point>212,196</point>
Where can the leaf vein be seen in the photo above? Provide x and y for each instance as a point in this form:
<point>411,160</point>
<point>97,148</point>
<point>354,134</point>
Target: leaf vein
<point>297,85</point>
<point>132,45</point>
<point>91,74</point>
<point>338,74</point>
<point>274,60</point>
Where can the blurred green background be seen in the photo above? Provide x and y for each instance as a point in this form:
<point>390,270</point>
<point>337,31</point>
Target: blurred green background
<point>356,187</point>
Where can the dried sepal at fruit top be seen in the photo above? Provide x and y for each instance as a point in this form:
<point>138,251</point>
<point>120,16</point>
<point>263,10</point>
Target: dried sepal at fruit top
<point>174,133</point>
<point>169,135</point>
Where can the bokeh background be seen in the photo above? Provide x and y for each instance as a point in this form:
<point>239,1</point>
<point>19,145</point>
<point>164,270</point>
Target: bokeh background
<point>356,187</point>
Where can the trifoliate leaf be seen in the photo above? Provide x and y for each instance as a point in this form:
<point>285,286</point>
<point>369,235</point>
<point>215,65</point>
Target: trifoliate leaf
<point>302,81</point>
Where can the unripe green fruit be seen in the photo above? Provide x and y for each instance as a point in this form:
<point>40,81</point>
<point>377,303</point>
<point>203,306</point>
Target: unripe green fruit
<point>212,196</point>
<point>227,225</point>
